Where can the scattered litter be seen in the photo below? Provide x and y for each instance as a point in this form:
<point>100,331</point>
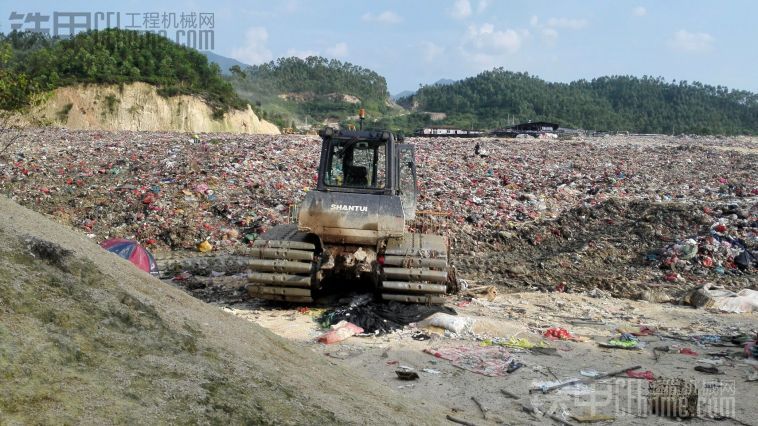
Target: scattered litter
<point>647,375</point>
<point>707,370</point>
<point>340,332</point>
<point>589,373</point>
<point>381,317</point>
<point>452,323</point>
<point>593,418</point>
<point>492,361</point>
<point>625,341</point>
<point>558,333</point>
<point>406,374</point>
<point>714,297</point>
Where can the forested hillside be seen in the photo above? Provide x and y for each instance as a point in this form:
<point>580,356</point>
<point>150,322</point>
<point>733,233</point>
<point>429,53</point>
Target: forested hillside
<point>292,88</point>
<point>117,56</point>
<point>624,103</point>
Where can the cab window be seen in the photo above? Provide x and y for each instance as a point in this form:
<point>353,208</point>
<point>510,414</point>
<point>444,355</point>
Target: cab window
<point>356,164</point>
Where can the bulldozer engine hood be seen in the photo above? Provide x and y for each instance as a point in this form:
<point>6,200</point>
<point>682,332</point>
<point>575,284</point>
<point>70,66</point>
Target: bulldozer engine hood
<point>351,218</point>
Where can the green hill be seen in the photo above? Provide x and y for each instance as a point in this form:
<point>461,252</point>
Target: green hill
<point>118,56</point>
<point>624,103</point>
<point>290,89</point>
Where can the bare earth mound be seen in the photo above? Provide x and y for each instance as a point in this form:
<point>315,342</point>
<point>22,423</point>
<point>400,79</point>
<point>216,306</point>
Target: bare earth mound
<point>87,338</point>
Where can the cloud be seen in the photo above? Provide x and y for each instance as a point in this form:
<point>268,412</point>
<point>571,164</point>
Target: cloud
<point>549,29</point>
<point>639,11</point>
<point>302,54</point>
<point>430,51</point>
<point>339,50</point>
<point>386,17</point>
<point>482,6</point>
<point>567,23</point>
<point>461,9</point>
<point>685,41</point>
<point>254,50</point>
<point>487,45</point>
<point>550,35</point>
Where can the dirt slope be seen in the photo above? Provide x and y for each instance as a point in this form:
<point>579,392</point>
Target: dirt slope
<point>138,106</point>
<point>87,338</point>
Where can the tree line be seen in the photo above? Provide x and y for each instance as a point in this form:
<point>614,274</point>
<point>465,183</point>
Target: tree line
<point>116,56</point>
<point>317,76</point>
<point>618,103</point>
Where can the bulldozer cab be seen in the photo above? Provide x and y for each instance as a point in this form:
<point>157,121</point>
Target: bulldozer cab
<point>368,162</point>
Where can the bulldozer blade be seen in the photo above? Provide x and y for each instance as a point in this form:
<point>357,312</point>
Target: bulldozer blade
<point>415,274</point>
<point>414,287</point>
<point>284,280</point>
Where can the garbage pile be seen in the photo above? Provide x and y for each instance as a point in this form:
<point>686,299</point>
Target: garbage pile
<point>217,192</point>
<point>721,251</point>
<point>166,190</point>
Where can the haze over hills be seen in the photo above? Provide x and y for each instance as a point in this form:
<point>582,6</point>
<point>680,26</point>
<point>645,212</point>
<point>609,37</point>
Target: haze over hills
<point>223,62</point>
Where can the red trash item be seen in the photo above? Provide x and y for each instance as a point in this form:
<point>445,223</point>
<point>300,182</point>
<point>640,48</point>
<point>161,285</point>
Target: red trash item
<point>558,333</point>
<point>647,375</point>
<point>340,331</point>
<point>687,351</point>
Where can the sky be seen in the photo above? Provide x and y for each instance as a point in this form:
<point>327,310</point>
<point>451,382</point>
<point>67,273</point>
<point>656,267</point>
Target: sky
<point>412,42</point>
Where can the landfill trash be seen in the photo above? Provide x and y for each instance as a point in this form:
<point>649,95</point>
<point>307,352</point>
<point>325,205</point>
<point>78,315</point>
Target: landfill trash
<point>714,297</point>
<point>513,366</point>
<point>589,373</point>
<point>647,375</point>
<point>641,330</point>
<point>452,323</point>
<point>420,335</point>
<point>489,292</point>
<point>404,374</point>
<point>557,333</point>
<point>492,361</point>
<point>687,351</point>
<point>708,370</point>
<point>513,342</point>
<point>711,361</point>
<point>526,195</point>
<point>204,247</point>
<point>751,349</point>
<point>380,317</point>
<point>592,418</point>
<point>340,332</point>
<point>625,341</point>
<point>430,371</point>
<point>703,253</point>
<point>572,386</point>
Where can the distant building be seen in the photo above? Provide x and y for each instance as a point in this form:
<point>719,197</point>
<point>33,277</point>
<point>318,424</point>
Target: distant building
<point>532,128</point>
<point>442,131</point>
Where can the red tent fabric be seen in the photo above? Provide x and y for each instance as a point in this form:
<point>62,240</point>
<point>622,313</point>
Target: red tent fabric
<point>133,252</point>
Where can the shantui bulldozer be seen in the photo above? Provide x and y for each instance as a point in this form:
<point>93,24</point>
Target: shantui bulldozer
<point>351,230</point>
